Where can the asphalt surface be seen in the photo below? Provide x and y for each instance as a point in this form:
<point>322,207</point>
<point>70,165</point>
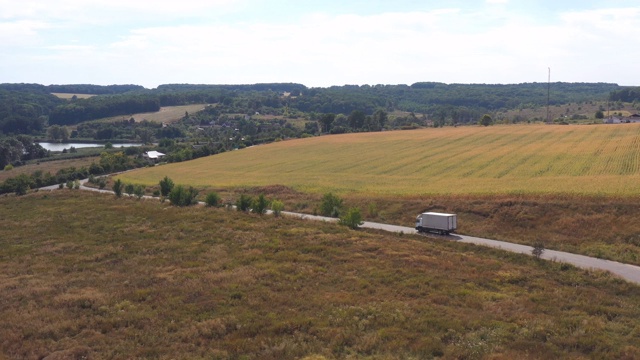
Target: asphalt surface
<point>628,272</point>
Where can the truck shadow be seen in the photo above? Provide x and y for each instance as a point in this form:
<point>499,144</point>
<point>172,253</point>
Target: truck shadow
<point>451,237</point>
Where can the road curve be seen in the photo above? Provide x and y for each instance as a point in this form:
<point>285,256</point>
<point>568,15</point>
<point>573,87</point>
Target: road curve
<point>628,272</point>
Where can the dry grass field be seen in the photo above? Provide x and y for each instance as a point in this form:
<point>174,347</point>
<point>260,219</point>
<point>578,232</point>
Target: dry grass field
<point>531,159</point>
<point>89,276</point>
<point>48,166</point>
<point>69,96</point>
<point>567,111</point>
<point>167,114</point>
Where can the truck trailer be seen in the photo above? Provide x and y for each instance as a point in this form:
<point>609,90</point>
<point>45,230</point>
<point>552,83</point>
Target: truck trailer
<point>436,222</point>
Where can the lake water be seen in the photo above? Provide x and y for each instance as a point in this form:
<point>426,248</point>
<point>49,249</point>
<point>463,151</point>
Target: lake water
<point>62,146</point>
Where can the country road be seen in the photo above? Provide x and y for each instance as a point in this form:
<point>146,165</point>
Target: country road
<point>628,272</point>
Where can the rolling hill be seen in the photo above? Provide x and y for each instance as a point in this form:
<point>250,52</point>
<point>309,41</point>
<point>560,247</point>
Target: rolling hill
<point>132,279</point>
<point>536,159</point>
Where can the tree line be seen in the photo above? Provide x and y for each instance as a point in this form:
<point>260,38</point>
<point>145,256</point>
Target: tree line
<point>28,108</point>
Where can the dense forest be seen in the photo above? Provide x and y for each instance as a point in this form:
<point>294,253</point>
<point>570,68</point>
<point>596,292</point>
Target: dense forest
<point>629,94</point>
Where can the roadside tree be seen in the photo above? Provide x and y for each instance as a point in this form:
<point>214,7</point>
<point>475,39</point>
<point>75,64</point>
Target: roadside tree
<point>118,186</point>
<point>181,196</point>
<point>352,219</point>
<point>212,199</point>
<point>260,205</point>
<point>244,203</point>
<point>138,191</point>
<point>166,185</point>
<point>277,207</point>
<point>331,205</point>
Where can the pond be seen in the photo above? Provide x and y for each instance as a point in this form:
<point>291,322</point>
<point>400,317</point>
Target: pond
<point>62,146</point>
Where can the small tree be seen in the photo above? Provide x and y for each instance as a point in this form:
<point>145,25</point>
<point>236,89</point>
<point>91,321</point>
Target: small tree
<point>181,196</point>
<point>212,199</point>
<point>277,207</point>
<point>260,205</point>
<point>166,185</point>
<point>76,184</point>
<point>69,184</point>
<point>118,187</point>
<point>138,191</point>
<point>129,189</point>
<point>486,120</point>
<point>538,249</point>
<point>331,205</point>
<point>352,218</point>
<point>599,114</point>
<point>244,203</point>
<point>102,182</point>
<point>22,184</point>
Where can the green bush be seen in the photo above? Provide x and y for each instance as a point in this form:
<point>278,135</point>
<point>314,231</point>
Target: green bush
<point>181,196</point>
<point>129,189</point>
<point>331,205</point>
<point>166,185</point>
<point>260,205</point>
<point>212,199</point>
<point>76,184</point>
<point>138,191</point>
<point>102,182</point>
<point>244,203</point>
<point>69,184</point>
<point>352,218</point>
<point>8,167</point>
<point>22,184</point>
<point>277,207</point>
<point>117,187</point>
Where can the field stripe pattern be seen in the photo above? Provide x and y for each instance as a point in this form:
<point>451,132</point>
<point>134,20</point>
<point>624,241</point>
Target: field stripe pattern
<point>583,159</point>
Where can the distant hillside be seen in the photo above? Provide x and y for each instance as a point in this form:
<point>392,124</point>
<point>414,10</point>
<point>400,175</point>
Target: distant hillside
<point>437,103</point>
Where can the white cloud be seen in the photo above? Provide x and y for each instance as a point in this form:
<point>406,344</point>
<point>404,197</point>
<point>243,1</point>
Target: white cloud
<point>319,49</point>
<point>23,32</point>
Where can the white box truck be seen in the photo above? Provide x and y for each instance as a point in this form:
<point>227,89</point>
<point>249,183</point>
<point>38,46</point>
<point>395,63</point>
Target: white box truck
<point>436,222</point>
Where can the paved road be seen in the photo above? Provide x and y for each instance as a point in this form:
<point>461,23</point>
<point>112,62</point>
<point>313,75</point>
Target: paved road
<point>628,272</point>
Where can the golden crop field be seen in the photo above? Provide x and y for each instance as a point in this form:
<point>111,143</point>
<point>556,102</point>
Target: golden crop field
<point>69,96</point>
<point>166,114</point>
<point>579,159</point>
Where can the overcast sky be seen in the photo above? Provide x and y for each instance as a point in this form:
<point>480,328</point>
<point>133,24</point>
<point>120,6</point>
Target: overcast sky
<point>318,43</point>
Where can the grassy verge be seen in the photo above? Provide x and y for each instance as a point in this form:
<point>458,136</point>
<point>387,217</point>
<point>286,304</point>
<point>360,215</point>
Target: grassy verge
<point>599,226</point>
<point>90,275</point>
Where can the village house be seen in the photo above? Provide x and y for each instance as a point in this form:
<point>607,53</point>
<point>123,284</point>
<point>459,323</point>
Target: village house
<point>153,156</point>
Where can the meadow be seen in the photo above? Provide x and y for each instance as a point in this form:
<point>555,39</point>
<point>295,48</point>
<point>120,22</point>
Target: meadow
<point>166,114</point>
<point>68,96</point>
<point>86,275</point>
<point>531,159</point>
<point>574,188</point>
<point>48,166</point>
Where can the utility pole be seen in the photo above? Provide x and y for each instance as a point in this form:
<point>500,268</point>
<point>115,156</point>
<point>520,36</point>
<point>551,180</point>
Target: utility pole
<point>548,94</point>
